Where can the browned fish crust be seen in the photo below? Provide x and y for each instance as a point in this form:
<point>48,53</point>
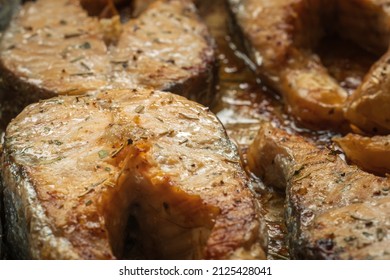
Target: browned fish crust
<point>76,169</point>
<point>334,211</point>
<point>54,48</point>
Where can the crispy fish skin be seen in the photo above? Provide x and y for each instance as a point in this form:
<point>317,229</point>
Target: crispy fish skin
<point>334,211</point>
<point>76,168</point>
<point>167,47</point>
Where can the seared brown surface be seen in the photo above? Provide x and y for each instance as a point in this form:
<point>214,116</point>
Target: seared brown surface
<point>76,169</point>
<point>244,103</point>
<point>334,211</point>
<point>54,47</point>
<point>369,105</point>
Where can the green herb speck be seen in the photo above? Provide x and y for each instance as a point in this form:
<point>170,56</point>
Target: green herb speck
<point>139,109</point>
<point>85,46</point>
<point>55,142</point>
<point>103,154</point>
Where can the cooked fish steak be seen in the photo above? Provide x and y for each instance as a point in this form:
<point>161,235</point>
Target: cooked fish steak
<point>76,169</point>
<point>368,106</point>
<point>280,37</point>
<point>54,47</point>
<point>334,211</point>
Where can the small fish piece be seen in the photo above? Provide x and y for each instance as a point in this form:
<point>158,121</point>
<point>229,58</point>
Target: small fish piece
<point>280,37</point>
<point>368,106</point>
<point>334,211</point>
<point>369,153</point>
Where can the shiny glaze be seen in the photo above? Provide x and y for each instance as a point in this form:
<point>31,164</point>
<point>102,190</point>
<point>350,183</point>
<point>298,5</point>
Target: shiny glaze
<point>245,102</point>
<point>370,153</point>
<point>78,167</point>
<point>279,40</point>
<point>334,211</point>
<point>280,37</point>
<point>368,106</point>
<point>43,53</point>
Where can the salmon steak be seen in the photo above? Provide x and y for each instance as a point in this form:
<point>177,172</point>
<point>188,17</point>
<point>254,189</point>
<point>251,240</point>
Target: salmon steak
<point>60,47</point>
<point>281,38</point>
<point>333,210</point>
<point>82,173</point>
